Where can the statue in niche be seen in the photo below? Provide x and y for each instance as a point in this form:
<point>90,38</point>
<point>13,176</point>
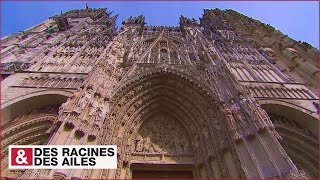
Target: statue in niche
<point>247,106</point>
<point>101,112</point>
<point>139,143</point>
<point>103,109</point>
<point>236,112</point>
<point>84,100</point>
<point>231,122</point>
<point>93,105</point>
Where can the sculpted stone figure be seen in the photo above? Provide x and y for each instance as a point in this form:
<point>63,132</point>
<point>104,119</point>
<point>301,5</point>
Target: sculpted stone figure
<point>146,145</point>
<point>84,101</point>
<point>156,148</point>
<point>240,119</point>
<point>139,144</point>
<point>64,107</point>
<point>251,111</point>
<point>231,124</point>
<point>103,109</point>
<point>263,114</point>
<point>93,105</point>
<point>69,104</point>
<point>163,135</point>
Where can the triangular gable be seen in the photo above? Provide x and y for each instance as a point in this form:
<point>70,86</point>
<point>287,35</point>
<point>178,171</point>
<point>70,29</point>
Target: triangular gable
<point>164,50</point>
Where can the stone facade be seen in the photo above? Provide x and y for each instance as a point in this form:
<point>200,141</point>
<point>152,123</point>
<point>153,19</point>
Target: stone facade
<point>226,97</point>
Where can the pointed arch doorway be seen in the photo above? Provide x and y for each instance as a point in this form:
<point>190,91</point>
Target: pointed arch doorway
<point>162,149</point>
<point>166,126</point>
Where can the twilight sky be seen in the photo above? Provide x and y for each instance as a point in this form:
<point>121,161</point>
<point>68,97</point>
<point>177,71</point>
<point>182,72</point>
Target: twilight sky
<point>299,20</point>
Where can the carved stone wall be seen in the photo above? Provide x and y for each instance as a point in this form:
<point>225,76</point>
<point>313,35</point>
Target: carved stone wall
<point>43,65</point>
<point>162,134</point>
<point>295,58</point>
<point>187,95</point>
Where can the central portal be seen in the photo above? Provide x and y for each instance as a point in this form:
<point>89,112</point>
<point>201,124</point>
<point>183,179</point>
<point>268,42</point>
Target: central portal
<point>162,124</point>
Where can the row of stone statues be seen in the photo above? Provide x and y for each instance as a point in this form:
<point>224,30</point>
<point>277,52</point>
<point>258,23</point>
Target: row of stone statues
<point>162,134</point>
<point>88,107</point>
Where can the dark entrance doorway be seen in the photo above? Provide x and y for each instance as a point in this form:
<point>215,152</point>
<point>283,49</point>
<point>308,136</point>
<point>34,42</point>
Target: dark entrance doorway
<point>162,171</point>
<point>139,174</point>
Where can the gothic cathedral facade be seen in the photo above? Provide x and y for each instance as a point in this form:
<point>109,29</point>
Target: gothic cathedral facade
<point>225,97</point>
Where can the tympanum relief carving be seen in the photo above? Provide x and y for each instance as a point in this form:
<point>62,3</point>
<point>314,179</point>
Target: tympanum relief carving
<point>162,134</point>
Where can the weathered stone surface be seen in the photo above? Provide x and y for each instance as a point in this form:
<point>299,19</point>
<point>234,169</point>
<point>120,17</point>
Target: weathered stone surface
<point>210,96</point>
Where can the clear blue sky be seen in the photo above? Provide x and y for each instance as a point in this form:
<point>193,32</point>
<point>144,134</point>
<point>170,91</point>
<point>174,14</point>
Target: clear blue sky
<point>299,20</point>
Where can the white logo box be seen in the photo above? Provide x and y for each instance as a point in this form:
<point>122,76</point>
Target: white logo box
<point>83,154</point>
